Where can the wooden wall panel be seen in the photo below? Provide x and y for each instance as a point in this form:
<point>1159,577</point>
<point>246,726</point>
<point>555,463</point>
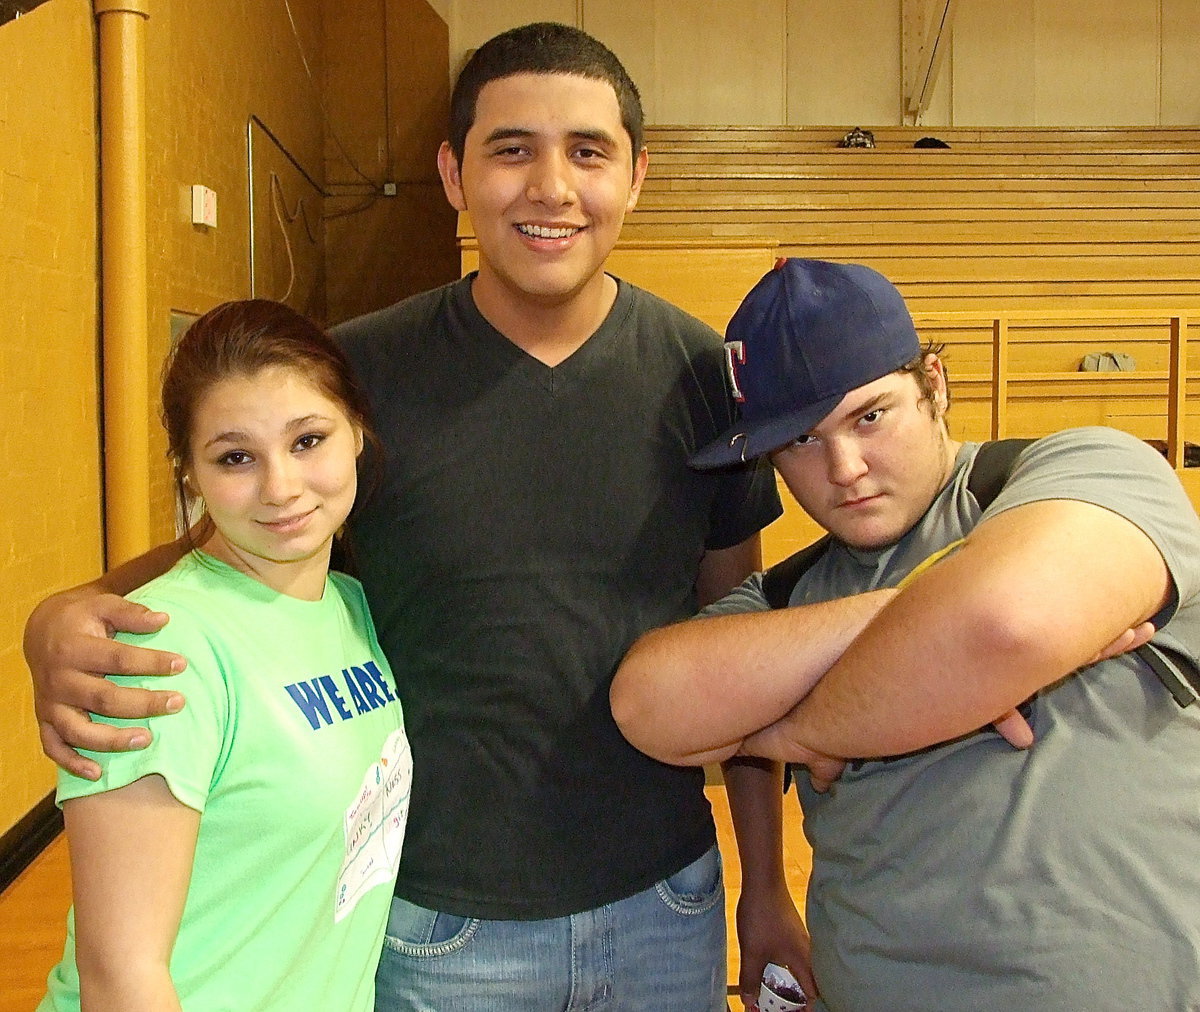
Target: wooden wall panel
<point>822,62</point>
<point>843,62</point>
<point>1096,62</point>
<point>731,69</point>
<point>473,23</point>
<point>390,106</point>
<point>1180,62</point>
<point>999,37</point>
<point>698,61</point>
<point>629,30</point>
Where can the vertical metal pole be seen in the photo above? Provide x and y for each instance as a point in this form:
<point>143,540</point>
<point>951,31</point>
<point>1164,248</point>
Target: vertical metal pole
<point>123,279</point>
<point>1177,392</point>
<point>999,377</point>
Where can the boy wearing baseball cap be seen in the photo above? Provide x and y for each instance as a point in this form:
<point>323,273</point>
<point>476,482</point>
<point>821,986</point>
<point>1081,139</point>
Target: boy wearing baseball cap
<point>950,870</point>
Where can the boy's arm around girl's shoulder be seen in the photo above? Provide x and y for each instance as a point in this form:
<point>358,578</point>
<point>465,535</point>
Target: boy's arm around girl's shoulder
<point>69,649</point>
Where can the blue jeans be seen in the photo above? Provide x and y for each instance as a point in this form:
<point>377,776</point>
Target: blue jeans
<point>661,950</point>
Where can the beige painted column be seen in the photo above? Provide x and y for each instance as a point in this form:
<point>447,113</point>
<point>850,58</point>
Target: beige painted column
<point>123,277</point>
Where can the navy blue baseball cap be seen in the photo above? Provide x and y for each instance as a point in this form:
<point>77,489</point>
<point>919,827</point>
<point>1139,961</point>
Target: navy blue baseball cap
<point>807,334</point>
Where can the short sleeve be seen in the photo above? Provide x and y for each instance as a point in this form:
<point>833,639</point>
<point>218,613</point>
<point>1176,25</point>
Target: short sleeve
<point>748,597</point>
<point>186,748</point>
<point>747,500</point>
<point>1118,472</point>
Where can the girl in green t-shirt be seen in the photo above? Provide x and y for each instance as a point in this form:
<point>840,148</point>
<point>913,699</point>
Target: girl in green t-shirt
<point>245,858</point>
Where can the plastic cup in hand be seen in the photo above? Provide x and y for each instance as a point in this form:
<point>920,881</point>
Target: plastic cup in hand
<point>780,991</point>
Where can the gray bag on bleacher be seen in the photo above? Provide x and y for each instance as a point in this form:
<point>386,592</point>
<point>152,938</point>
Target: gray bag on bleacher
<point>1107,361</point>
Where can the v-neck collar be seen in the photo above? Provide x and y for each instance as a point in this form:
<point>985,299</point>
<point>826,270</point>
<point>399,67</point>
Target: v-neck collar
<point>596,348</point>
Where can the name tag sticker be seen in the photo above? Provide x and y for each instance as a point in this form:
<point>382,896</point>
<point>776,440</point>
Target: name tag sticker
<point>374,825</point>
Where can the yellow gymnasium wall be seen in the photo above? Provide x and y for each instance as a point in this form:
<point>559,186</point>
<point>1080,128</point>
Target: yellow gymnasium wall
<point>218,71</point>
<point>210,66</point>
<point>49,440</point>
<point>234,95</point>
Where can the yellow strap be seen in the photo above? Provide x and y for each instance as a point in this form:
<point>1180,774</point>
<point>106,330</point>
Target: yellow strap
<point>932,560</point>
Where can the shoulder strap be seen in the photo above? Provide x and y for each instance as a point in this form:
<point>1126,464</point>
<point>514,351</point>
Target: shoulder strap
<point>1177,672</point>
<point>991,468</point>
<point>780,580</point>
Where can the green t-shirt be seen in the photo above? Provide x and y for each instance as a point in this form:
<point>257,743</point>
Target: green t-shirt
<point>292,748</point>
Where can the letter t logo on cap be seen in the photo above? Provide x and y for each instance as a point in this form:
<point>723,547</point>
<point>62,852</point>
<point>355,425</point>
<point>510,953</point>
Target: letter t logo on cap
<point>735,355</point>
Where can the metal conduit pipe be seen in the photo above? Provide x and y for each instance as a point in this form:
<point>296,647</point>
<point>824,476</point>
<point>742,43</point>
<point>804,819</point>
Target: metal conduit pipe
<point>124,298</point>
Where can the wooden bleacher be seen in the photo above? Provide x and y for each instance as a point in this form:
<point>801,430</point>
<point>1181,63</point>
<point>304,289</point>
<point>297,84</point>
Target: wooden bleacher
<point>1035,139</point>
<point>1002,219</point>
<point>1022,249</point>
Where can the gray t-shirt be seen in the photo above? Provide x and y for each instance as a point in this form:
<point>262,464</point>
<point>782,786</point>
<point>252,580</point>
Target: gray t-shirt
<point>976,876</point>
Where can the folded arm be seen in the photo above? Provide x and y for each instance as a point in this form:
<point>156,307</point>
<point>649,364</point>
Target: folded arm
<point>69,648</point>
<point>131,862</point>
<point>691,692</point>
<point>1033,594</point>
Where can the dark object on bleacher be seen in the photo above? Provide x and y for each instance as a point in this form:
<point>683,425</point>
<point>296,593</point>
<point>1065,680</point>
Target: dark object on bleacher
<point>1191,452</point>
<point>930,142</point>
<point>858,138</point>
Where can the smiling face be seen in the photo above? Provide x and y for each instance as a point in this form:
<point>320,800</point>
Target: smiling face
<point>274,459</point>
<point>870,469</point>
<point>547,174</point>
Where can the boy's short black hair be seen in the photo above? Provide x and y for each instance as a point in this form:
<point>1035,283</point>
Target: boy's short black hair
<point>544,47</point>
